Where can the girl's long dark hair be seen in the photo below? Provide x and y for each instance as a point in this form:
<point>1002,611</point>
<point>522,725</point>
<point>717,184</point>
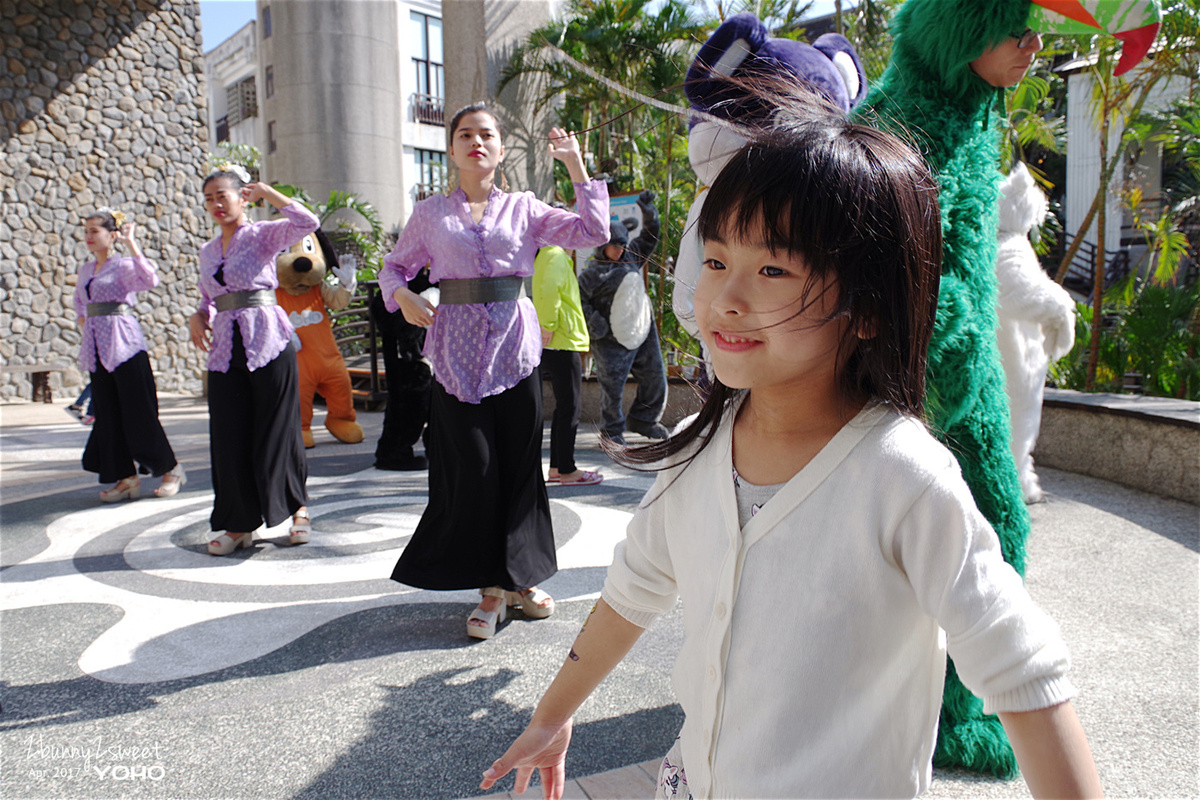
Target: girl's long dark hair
<point>234,179</point>
<point>107,220</point>
<point>860,207</point>
<point>479,106</point>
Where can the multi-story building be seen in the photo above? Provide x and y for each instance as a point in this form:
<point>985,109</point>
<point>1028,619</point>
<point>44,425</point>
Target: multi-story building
<point>233,80</point>
<point>1141,169</point>
<point>336,95</point>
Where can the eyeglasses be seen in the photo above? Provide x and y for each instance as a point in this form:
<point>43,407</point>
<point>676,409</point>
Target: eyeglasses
<point>1025,38</point>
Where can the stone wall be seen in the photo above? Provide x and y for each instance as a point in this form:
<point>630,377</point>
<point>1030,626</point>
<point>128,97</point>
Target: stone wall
<point>102,102</point>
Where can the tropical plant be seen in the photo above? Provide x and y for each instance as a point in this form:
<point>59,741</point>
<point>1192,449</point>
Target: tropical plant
<point>1118,100</point>
<point>613,70</point>
<point>369,244</point>
<point>1145,331</point>
<point>866,25</point>
<point>247,155</point>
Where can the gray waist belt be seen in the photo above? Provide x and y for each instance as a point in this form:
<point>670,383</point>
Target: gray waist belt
<point>481,290</point>
<point>108,309</point>
<point>256,297</point>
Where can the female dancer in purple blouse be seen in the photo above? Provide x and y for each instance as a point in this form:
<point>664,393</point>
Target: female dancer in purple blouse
<point>113,350</point>
<point>488,519</point>
<point>258,467</point>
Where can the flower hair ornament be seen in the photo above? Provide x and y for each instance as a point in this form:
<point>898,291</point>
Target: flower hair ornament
<point>233,169</point>
<point>118,216</point>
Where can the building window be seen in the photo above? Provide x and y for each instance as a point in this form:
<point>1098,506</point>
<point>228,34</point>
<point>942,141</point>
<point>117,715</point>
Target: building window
<point>427,58</point>
<point>241,100</point>
<point>223,129</point>
<point>266,22</point>
<point>269,89</point>
<point>271,136</point>
<point>431,173</point>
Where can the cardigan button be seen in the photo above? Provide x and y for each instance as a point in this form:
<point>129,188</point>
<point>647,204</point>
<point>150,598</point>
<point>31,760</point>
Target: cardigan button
<point>719,610</point>
<point>712,673</point>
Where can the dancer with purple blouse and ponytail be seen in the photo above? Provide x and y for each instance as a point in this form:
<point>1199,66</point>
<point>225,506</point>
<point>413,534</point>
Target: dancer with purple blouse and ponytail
<point>124,400</point>
<point>488,519</point>
<point>258,467</point>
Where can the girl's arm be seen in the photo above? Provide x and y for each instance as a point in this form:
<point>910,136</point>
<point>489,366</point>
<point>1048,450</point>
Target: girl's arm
<point>588,227</point>
<point>79,301</point>
<point>254,192</point>
<point>144,275</point>
<point>564,147</point>
<point>1053,752</point>
<point>605,639</point>
<point>410,249</point>
<point>200,323</point>
<point>297,220</point>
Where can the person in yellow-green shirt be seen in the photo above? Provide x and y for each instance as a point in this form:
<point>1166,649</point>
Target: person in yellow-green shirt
<point>564,337</point>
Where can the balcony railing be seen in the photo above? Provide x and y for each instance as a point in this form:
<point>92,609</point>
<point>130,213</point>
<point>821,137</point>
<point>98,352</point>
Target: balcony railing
<point>423,190</point>
<point>429,109</point>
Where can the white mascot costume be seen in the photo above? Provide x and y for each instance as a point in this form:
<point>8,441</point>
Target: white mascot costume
<point>1037,318</point>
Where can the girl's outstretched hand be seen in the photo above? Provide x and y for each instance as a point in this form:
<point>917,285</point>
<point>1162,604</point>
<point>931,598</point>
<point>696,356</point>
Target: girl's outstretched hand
<point>563,144</point>
<point>542,747</point>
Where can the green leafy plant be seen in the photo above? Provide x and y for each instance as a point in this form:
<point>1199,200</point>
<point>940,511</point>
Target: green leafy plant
<point>369,244</point>
<point>1147,331</point>
<point>247,155</point>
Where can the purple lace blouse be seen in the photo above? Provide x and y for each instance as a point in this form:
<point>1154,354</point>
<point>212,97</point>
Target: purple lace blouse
<point>111,340</point>
<point>482,349</point>
<point>249,263</point>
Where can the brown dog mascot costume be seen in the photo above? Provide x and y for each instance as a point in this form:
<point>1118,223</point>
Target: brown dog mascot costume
<point>306,297</point>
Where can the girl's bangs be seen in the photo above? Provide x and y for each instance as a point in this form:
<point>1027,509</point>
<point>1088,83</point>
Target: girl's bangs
<point>756,202</point>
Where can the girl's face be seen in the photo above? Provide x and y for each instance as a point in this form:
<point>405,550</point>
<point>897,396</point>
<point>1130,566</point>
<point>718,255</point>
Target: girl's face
<point>223,201</point>
<point>99,238</point>
<point>751,310</point>
<point>475,144</point>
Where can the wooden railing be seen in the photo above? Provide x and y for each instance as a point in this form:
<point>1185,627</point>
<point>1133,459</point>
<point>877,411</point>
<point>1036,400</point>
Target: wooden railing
<point>358,340</point>
<point>429,109</point>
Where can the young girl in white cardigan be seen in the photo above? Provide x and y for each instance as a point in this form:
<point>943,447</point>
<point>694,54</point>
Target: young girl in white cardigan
<point>825,547</point>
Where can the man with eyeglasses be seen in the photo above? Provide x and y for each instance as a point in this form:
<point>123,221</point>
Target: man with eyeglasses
<point>950,62</point>
<point>1006,64</point>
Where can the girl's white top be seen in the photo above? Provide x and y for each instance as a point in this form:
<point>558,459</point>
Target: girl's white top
<point>816,636</point>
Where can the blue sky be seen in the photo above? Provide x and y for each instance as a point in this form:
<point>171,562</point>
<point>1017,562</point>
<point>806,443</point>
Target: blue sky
<point>222,18</point>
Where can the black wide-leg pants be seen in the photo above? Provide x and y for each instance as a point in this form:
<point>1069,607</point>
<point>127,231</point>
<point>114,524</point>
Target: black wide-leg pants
<point>488,518</point>
<point>126,429</point>
<point>259,469</point>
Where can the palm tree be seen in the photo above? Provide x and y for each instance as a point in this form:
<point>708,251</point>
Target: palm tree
<point>593,66</point>
<point>617,39</point>
<point>1117,100</point>
<point>370,244</point>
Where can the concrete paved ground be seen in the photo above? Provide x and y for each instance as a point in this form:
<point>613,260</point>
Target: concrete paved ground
<point>133,664</point>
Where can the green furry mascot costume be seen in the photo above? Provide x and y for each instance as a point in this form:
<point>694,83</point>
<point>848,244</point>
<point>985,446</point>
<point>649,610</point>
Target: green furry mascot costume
<point>930,89</point>
<point>931,92</point>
